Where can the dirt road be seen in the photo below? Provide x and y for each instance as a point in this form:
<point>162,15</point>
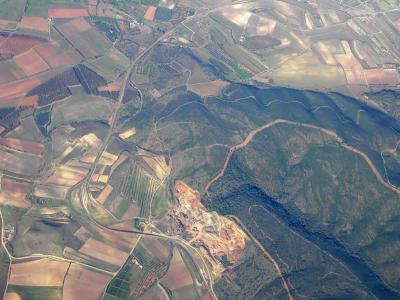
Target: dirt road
<point>328,132</point>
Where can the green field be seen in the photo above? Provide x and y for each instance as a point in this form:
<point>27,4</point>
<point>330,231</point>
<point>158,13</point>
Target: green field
<point>140,187</point>
<point>28,130</point>
<point>36,292</point>
<point>90,43</point>
<point>147,72</point>
<point>119,287</point>
<point>111,65</point>
<point>37,8</point>
<point>65,112</point>
<point>109,26</point>
<point>4,265</point>
<point>12,10</point>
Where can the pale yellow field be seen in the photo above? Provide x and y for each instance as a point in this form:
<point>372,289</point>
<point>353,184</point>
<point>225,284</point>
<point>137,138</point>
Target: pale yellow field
<point>67,176</point>
<point>325,53</point>
<point>127,133</point>
<point>51,191</point>
<point>351,66</point>
<point>99,178</point>
<point>159,165</point>
<point>265,26</point>
<point>104,194</point>
<point>106,159</point>
<point>46,272</point>
<point>12,296</point>
<point>16,199</point>
<point>333,16</point>
<point>307,71</point>
<point>236,15</point>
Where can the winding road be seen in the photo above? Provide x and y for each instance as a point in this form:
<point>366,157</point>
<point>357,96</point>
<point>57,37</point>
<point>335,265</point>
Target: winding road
<point>85,199</point>
<point>328,132</point>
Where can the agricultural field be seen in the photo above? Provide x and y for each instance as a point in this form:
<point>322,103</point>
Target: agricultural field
<point>12,9</point>
<point>69,111</point>
<point>47,273</point>
<point>15,292</point>
<point>111,65</point>
<point>180,149</point>
<point>138,191</point>
<point>82,282</point>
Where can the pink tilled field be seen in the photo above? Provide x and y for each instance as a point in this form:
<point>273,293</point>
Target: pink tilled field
<point>24,146</point>
<point>57,56</point>
<point>17,88</point>
<point>15,44</point>
<point>34,23</point>
<point>31,63</point>
<point>67,12</point>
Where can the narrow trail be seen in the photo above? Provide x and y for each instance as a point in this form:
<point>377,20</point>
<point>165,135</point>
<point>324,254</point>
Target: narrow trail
<point>328,132</point>
<point>265,252</point>
<point>359,116</point>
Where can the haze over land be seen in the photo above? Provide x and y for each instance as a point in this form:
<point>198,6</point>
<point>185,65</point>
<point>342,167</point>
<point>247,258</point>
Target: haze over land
<point>199,149</point>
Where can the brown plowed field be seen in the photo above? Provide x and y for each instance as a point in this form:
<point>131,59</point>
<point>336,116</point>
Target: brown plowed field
<point>12,296</point>
<point>31,62</point>
<point>46,272</point>
<point>105,193</point>
<point>15,44</point>
<point>7,23</point>
<point>24,146</point>
<point>14,193</point>
<point>34,23</point>
<point>55,56</point>
<point>51,191</point>
<point>67,12</point>
<point>178,275</point>
<point>80,283</point>
<point>388,77</point>
<point>67,176</point>
<point>18,89</point>
<point>14,199</point>
<point>150,13</point>
<point>11,185</point>
<point>110,87</point>
<point>74,26</point>
<point>25,101</point>
<point>352,68</point>
<point>104,252</point>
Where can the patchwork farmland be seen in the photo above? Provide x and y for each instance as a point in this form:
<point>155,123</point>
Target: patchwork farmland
<point>181,149</point>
